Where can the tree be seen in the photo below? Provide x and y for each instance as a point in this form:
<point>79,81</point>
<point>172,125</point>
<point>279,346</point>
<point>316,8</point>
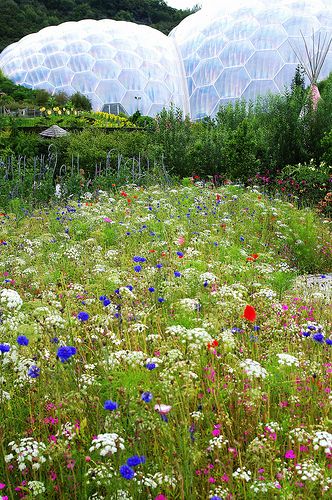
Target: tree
<point>81,102</point>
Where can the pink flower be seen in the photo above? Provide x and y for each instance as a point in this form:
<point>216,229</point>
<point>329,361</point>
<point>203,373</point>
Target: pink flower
<point>160,497</point>
<point>289,454</point>
<point>107,219</point>
<point>2,486</point>
<point>211,480</point>
<point>5,498</point>
<point>215,432</point>
<point>163,409</point>
<point>181,240</point>
<point>225,478</point>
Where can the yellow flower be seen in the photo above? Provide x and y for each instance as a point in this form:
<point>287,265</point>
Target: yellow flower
<point>49,112</point>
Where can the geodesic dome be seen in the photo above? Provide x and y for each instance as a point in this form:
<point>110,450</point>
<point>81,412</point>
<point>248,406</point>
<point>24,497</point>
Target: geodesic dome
<point>243,49</point>
<point>108,61</point>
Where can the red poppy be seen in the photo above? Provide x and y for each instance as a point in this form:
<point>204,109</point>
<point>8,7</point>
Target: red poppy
<point>151,251</point>
<point>249,313</point>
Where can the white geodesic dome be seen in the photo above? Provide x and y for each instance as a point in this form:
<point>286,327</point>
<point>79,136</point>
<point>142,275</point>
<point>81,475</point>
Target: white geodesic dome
<point>243,48</point>
<point>108,61</point>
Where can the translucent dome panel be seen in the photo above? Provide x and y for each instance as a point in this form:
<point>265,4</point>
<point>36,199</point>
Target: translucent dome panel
<point>243,49</point>
<point>108,61</point>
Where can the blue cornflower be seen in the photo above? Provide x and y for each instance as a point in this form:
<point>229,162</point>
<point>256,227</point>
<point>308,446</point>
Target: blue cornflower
<point>147,396</point>
<point>106,302</point>
<point>179,254</point>
<point>256,328</point>
<point>127,472</point>
<point>22,340</point>
<point>102,298</point>
<point>4,348</point>
<point>137,258</point>
<point>83,316</point>
<point>319,337</point>
<point>206,284</point>
<point>55,340</point>
<point>65,352</point>
<point>241,238</point>
<point>328,341</point>
<point>137,268</point>
<point>130,287</point>
<point>150,366</point>
<point>177,274</point>
<point>215,497</point>
<point>161,300</point>
<point>34,371</point>
<point>159,266</point>
<point>111,405</point>
<point>151,289</point>
<point>306,334</point>
<point>136,460</point>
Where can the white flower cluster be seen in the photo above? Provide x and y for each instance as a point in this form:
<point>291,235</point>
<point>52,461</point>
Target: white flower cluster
<point>27,450</point>
<point>287,360</point>
<point>157,479</point>
<point>107,444</point>
<point>264,486</point>
<point>217,442</point>
<point>36,488</point>
<point>267,293</point>
<point>73,253</point>
<point>197,415</point>
<point>322,439</point>
<point>10,299</point>
<point>309,471</point>
<point>228,339</point>
<point>299,435</point>
<point>194,337</point>
<point>190,304</point>
<point>253,368</point>
<point>121,495</point>
<point>100,474</point>
<point>218,491</point>
<point>54,320</point>
<point>242,473</point>
<point>208,278</point>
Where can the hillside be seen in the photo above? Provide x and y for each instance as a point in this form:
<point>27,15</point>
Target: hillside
<point>21,17</point>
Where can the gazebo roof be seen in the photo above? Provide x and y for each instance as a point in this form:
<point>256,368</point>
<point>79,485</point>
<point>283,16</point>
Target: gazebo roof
<point>54,131</point>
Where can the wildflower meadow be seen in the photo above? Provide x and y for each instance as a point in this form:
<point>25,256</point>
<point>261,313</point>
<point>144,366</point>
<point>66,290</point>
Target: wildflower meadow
<point>166,344</point>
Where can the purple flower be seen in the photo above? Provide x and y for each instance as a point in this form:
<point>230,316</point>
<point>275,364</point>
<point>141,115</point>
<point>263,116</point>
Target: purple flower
<point>139,259</point>
<point>147,397</point>
<point>106,302</point>
<point>34,371</point>
<point>66,352</point>
<point>110,405</point>
<point>22,340</point>
<point>83,316</point>
<point>328,341</point>
<point>177,274</point>
<point>137,269</point>
<point>151,289</point>
<point>127,472</point>
<point>4,348</point>
<point>150,366</point>
<point>159,266</point>
<point>161,300</point>
<point>319,337</point>
<point>136,460</point>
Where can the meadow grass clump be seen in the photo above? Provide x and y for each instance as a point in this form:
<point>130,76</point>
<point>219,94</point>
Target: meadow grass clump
<point>154,345</point>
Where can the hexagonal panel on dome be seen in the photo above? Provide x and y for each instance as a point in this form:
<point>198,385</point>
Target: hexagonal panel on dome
<point>285,76</point>
<point>275,15</point>
<point>33,61</point>
<point>236,53</point>
<point>60,77</point>
<point>56,60</point>
<point>81,62</point>
<point>157,92</point>
<point>207,71</point>
<point>203,101</point>
<point>152,71</point>
<point>44,86</point>
<point>77,47</point>
<point>110,91</point>
<point>258,88</point>
<point>66,89</point>
<point>232,82</point>
<point>211,47</point>
<point>296,24</point>
<point>85,82</point>
<point>270,36</point>
<point>19,76</point>
<point>191,64</point>
<point>242,29</point>
<point>264,64</point>
<point>286,49</point>
<point>128,60</point>
<point>132,104</point>
<point>11,66</point>
<point>155,109</point>
<point>132,79</point>
<point>37,75</point>
<point>105,70</point>
<point>102,51</point>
